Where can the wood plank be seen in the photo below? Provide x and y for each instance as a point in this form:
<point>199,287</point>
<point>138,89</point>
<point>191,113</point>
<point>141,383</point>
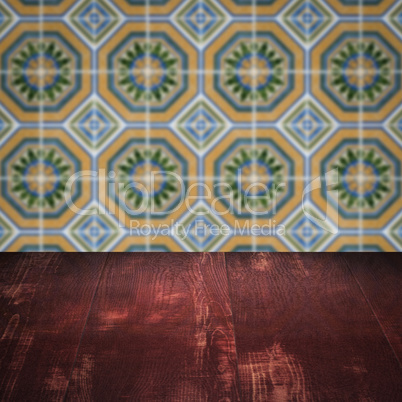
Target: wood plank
<point>44,302</point>
<point>160,329</point>
<point>380,278</point>
<point>305,332</point>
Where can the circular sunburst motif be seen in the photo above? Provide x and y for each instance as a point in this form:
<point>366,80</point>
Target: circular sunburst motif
<point>146,176</point>
<point>360,71</point>
<point>40,178</point>
<point>364,178</point>
<point>254,177</point>
<point>254,72</point>
<point>147,72</point>
<point>41,71</point>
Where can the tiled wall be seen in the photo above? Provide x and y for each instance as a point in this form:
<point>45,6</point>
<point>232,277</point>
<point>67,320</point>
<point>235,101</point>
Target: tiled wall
<point>211,96</point>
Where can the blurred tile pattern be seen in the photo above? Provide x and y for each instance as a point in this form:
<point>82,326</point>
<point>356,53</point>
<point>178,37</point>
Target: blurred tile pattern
<point>266,125</point>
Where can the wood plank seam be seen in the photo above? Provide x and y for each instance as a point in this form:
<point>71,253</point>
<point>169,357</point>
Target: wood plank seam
<point>159,329</point>
<point>304,331</point>
<point>233,326</point>
<point>84,326</point>
<point>372,310</point>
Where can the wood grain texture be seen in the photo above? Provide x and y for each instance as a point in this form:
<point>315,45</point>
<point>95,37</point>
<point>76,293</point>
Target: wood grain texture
<point>379,276</point>
<point>44,302</point>
<point>305,332</point>
<point>160,329</point>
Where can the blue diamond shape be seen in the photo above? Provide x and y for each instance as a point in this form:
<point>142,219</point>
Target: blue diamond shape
<point>94,25</point>
<point>92,119</point>
<point>307,228</point>
<point>94,231</point>
<point>399,125</point>
<point>205,236</point>
<point>201,118</point>
<point>307,115</point>
<point>201,11</point>
<point>309,11</point>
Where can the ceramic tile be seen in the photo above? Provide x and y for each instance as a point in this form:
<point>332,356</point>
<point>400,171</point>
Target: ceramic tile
<point>347,8</point>
<point>200,125</point>
<point>35,242</point>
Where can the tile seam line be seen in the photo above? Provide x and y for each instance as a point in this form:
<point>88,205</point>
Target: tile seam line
<point>360,129</point>
<point>372,311</point>
<point>41,128</point>
<point>148,116</point>
<point>206,72</point>
<point>84,326</point>
<point>254,112</point>
<point>208,178</point>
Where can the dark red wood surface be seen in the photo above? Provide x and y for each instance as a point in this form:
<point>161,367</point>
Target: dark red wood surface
<point>380,281</point>
<point>44,303</point>
<point>194,327</point>
<point>305,332</point>
<point>160,329</point>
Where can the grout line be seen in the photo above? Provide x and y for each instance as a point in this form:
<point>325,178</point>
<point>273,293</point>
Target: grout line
<point>254,117</point>
<point>193,178</point>
<point>372,309</point>
<point>199,4</point>
<point>200,98</point>
<point>233,324</point>
<point>85,325</point>
<point>197,71</point>
<point>360,128</point>
<point>148,116</point>
<point>93,112</point>
<point>166,18</point>
<point>307,96</point>
<point>41,130</point>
